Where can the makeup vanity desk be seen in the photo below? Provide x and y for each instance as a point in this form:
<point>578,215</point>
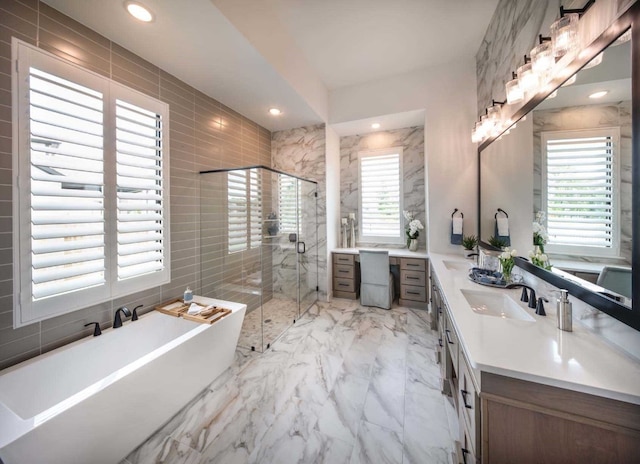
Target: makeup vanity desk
<point>411,278</point>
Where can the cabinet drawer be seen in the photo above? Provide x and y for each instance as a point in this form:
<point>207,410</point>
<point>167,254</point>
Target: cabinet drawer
<point>408,292</point>
<point>341,258</point>
<point>451,341</point>
<point>469,405</point>
<point>415,278</point>
<point>413,264</point>
<point>343,271</point>
<point>344,285</point>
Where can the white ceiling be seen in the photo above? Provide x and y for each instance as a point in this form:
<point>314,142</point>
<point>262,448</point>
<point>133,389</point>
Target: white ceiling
<point>346,42</point>
<point>354,41</point>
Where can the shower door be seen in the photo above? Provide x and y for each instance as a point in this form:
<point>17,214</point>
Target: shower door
<point>307,246</point>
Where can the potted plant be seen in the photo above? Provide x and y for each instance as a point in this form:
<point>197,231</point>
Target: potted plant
<point>497,242</point>
<point>469,243</point>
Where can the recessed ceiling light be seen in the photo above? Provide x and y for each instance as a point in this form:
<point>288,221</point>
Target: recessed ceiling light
<point>139,11</point>
<point>375,125</point>
<point>599,94</point>
<point>275,111</point>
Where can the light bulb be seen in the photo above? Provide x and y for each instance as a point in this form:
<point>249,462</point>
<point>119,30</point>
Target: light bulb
<point>542,59</point>
<point>527,78</point>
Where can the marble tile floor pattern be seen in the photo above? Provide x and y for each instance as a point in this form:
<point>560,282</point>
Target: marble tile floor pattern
<point>278,314</point>
<point>345,384</point>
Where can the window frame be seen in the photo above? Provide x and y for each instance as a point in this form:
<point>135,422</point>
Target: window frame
<point>26,311</point>
<point>380,239</point>
<point>253,221</point>
<point>584,250</point>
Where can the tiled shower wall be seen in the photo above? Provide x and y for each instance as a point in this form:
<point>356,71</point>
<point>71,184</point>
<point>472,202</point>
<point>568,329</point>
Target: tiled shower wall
<point>204,134</point>
<point>411,140</point>
<point>302,152</point>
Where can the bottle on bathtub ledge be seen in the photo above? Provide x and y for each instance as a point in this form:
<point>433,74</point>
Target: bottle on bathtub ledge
<point>188,296</point>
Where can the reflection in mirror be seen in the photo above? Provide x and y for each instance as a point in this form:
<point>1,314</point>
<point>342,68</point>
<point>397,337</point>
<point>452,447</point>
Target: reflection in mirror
<point>579,145</point>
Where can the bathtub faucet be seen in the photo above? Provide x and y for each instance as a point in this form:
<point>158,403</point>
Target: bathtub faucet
<point>117,321</point>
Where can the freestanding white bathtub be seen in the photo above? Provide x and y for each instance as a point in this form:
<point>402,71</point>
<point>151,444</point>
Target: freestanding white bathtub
<point>95,400</point>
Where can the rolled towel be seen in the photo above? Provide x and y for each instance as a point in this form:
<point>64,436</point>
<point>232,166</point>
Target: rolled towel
<point>503,226</point>
<point>457,226</point>
<point>194,309</point>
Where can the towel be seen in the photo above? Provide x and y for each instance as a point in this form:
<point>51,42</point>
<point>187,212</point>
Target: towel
<point>195,309</point>
<point>503,226</point>
<point>457,226</point>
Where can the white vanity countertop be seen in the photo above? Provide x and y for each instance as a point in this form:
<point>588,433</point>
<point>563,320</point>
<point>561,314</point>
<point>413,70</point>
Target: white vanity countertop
<point>395,252</point>
<point>536,351</point>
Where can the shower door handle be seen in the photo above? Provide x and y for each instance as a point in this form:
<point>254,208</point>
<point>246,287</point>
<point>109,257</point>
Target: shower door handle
<point>303,248</point>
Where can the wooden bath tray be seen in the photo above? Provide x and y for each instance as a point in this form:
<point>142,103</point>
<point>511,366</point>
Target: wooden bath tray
<point>178,308</point>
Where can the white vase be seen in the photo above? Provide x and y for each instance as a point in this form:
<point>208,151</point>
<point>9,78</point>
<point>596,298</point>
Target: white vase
<point>413,244</point>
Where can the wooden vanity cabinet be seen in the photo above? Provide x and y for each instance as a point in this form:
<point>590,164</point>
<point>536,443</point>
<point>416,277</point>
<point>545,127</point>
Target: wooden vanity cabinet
<point>504,420</point>
<point>413,283</point>
<point>346,276</point>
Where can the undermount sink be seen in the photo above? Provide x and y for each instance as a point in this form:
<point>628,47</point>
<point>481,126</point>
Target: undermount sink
<point>495,304</point>
<point>457,265</point>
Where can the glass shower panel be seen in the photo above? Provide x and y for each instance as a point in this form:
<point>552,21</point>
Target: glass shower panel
<point>307,245</point>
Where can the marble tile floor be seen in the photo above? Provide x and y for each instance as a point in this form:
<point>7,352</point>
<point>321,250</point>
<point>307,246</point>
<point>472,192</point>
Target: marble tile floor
<point>277,313</point>
<point>345,384</point>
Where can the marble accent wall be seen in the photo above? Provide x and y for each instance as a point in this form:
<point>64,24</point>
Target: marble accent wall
<point>411,140</point>
<point>204,134</point>
<point>590,117</point>
<point>302,152</point>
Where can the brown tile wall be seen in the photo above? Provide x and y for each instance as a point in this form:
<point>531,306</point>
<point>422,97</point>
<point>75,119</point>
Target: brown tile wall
<point>204,134</point>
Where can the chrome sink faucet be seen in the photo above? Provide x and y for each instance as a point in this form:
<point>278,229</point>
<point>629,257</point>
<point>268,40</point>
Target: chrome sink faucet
<point>117,321</point>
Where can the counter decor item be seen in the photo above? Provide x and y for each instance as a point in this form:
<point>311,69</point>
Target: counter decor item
<point>469,243</point>
<point>352,238</point>
<point>540,235</point>
<point>345,234</point>
<point>487,277</point>
<point>507,262</point>
<point>412,230</point>
<point>539,259</point>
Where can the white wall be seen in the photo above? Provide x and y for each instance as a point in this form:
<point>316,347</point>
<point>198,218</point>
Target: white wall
<point>448,95</point>
<point>333,197</point>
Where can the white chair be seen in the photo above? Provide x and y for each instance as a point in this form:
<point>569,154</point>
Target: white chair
<point>617,279</point>
<point>376,281</point>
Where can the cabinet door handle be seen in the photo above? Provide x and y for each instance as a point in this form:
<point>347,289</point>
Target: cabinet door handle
<point>413,293</point>
<point>464,455</point>
<point>464,399</point>
<point>448,335</point>
<point>343,285</point>
<point>344,271</point>
<point>440,342</point>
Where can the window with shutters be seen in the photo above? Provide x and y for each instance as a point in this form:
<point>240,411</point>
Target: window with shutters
<point>90,188</point>
<point>580,194</point>
<point>380,193</point>
<point>244,207</point>
<point>289,204</point>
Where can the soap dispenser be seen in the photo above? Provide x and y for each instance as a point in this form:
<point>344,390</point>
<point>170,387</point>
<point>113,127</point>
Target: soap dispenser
<point>564,311</point>
<point>188,296</point>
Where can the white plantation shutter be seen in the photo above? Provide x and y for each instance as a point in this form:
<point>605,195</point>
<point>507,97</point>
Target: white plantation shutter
<point>288,204</point>
<point>381,196</point>
<point>86,217</point>
<point>139,184</point>
<point>580,178</point>
<point>244,209</point>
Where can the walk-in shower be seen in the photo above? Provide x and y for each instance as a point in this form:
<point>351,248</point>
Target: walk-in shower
<point>258,245</point>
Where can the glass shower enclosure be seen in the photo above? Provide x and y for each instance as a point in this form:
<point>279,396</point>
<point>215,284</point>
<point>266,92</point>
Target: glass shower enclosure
<point>259,246</point>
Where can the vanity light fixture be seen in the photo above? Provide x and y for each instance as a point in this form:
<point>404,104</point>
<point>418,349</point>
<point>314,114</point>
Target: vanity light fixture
<point>599,94</point>
<point>595,61</point>
<point>513,90</point>
<point>564,35</point>
<point>528,80</point>
<point>375,125</point>
<point>570,81</point>
<point>275,112</point>
<point>139,11</point>
<point>542,58</point>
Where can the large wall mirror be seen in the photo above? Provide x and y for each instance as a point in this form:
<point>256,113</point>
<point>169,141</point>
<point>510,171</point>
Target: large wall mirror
<point>573,157</point>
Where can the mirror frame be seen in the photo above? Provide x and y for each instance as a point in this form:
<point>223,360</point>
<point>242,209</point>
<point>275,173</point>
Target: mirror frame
<point>629,316</point>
